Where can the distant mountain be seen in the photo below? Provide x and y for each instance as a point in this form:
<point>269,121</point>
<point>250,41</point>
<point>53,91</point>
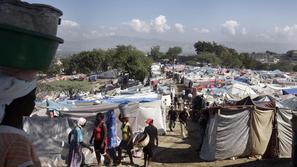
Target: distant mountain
<point>112,41</point>
<point>145,44</point>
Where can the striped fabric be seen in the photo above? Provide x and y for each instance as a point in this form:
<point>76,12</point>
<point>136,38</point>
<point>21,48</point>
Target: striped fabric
<point>16,149</point>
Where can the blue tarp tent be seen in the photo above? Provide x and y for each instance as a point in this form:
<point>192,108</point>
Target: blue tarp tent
<point>290,91</point>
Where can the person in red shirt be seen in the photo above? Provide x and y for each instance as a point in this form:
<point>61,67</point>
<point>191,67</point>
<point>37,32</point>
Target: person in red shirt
<point>99,137</point>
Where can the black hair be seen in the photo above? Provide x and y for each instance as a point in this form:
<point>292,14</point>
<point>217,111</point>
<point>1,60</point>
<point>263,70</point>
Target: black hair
<point>22,105</point>
<point>101,115</point>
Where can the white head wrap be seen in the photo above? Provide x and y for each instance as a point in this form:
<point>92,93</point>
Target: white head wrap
<point>81,121</point>
<point>12,88</point>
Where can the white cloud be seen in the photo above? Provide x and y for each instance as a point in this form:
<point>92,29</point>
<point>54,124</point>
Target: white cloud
<point>113,28</point>
<point>95,34</point>
<point>230,26</point>
<point>159,24</point>
<point>243,31</point>
<point>139,26</point>
<point>69,30</point>
<point>69,24</point>
<point>287,30</point>
<point>264,36</point>
<point>179,27</point>
<point>201,30</point>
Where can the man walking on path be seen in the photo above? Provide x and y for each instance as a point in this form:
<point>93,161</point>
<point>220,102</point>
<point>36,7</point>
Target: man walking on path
<point>148,150</point>
<point>183,117</point>
<point>172,118</point>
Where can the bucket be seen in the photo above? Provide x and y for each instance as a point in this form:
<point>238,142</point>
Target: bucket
<point>28,34</point>
<point>35,17</point>
<point>141,139</point>
<point>25,49</point>
<point>123,110</point>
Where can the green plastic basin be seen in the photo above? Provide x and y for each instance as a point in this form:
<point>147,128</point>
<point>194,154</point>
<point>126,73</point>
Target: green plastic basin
<point>25,49</point>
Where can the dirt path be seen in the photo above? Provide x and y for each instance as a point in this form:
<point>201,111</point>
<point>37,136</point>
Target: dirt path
<point>175,152</point>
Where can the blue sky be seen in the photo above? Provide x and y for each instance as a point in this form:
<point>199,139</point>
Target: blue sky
<point>243,24</point>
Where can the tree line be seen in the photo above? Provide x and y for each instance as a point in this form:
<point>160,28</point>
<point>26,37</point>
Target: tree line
<point>129,59</point>
<point>219,55</point>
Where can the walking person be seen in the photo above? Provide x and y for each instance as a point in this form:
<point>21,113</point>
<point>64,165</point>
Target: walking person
<point>148,150</point>
<point>172,118</point>
<point>179,103</point>
<point>183,118</point>
<point>99,137</point>
<point>75,139</point>
<point>175,101</point>
<point>126,142</point>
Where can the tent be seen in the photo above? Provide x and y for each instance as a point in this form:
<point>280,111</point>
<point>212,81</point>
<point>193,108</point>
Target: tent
<point>111,74</point>
<point>286,109</point>
<point>290,91</point>
<point>49,136</point>
<point>243,129</point>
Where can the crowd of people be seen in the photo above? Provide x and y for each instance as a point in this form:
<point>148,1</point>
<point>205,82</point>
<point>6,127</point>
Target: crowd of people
<point>100,142</point>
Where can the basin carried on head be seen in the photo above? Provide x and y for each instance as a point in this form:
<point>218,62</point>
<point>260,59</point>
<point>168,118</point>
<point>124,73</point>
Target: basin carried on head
<point>28,34</point>
<point>25,49</point>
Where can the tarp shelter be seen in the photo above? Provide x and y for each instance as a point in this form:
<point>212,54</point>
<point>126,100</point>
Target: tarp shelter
<point>239,91</point>
<point>50,135</point>
<point>290,91</point>
<point>236,131</point>
<point>286,109</point>
<point>111,74</point>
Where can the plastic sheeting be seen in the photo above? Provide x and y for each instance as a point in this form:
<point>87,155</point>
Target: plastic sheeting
<point>241,131</point>
<point>50,139</point>
<point>50,135</point>
<point>261,130</point>
<point>208,149</point>
<point>285,133</point>
<point>239,91</point>
<point>151,110</point>
<point>149,97</point>
<point>287,107</point>
<point>232,133</point>
<point>111,129</point>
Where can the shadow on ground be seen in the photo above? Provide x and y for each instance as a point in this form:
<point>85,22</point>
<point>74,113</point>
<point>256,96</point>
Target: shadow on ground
<point>282,162</point>
<point>177,150</point>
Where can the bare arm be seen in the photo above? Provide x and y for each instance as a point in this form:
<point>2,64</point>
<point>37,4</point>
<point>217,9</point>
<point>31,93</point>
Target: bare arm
<point>130,130</point>
<point>157,139</point>
<point>69,137</point>
<point>92,137</point>
<point>130,133</point>
<point>105,134</point>
<point>105,131</point>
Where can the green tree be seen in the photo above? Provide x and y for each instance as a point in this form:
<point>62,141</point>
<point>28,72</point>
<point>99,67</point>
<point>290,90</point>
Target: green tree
<point>173,52</point>
<point>202,46</point>
<point>155,53</point>
<point>295,68</point>
<point>132,61</point>
<point>69,65</point>
<point>70,88</point>
<point>206,57</point>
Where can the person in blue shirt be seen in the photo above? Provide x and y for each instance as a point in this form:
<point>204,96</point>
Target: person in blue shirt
<point>75,140</point>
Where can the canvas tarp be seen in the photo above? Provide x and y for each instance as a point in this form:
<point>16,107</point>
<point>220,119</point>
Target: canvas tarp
<point>290,91</point>
<point>208,149</point>
<point>239,91</point>
<point>284,127</point>
<point>232,133</point>
<point>50,139</point>
<point>151,110</point>
<point>287,108</point>
<point>261,130</point>
<point>50,135</point>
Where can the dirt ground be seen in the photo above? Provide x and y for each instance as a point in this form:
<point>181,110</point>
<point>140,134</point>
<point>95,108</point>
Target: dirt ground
<point>175,152</point>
